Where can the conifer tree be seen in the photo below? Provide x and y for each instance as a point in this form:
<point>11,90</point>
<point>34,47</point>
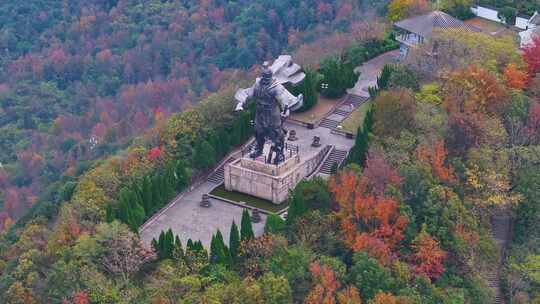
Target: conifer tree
<point>182,175</point>
<point>156,193</point>
<point>297,208</point>
<point>178,251</point>
<point>246,228</point>
<point>146,193</point>
<point>234,241</point>
<point>189,245</point>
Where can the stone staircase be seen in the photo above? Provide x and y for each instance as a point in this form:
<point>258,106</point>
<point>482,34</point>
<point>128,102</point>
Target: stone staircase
<point>336,157</point>
<point>355,100</point>
<point>218,176</point>
<point>501,232</point>
<point>329,123</point>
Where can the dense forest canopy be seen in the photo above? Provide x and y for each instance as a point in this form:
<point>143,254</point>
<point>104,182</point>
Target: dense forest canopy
<point>79,78</point>
<point>111,108</point>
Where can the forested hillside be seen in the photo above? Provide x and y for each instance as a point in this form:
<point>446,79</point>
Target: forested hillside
<point>78,79</point>
<point>111,108</point>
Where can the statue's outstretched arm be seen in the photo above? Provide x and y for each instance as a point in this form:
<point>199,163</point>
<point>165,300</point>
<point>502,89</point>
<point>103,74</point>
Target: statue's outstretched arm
<point>243,97</point>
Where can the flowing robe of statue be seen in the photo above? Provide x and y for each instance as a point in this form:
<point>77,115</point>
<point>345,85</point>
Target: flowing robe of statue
<point>273,103</point>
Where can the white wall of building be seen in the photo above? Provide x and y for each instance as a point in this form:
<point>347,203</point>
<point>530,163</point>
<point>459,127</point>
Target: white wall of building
<point>486,13</point>
<point>522,23</point>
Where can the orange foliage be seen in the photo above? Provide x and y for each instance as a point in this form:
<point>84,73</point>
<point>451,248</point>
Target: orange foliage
<point>474,90</point>
<point>349,295</point>
<point>435,156</point>
<point>384,298</point>
<point>326,285</point>
<point>370,223</point>
<point>428,256</point>
<point>514,77</point>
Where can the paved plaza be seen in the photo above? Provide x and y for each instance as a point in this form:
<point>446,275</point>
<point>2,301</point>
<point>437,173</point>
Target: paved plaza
<point>188,220</point>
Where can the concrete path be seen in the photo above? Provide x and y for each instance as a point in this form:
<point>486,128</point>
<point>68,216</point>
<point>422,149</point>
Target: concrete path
<point>188,220</point>
<point>369,72</point>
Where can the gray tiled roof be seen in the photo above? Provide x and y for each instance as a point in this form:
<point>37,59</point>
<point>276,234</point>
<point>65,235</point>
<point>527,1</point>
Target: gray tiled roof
<point>535,19</point>
<point>424,25</point>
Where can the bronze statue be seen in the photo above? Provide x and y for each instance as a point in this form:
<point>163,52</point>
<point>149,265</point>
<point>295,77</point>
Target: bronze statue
<point>273,104</point>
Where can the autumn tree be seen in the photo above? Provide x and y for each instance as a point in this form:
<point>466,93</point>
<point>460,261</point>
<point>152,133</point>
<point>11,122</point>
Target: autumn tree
<point>428,258</point>
<point>531,54</point>
<point>514,77</point>
<point>436,156</point>
<point>326,285</point>
<point>369,221</point>
<point>400,9</point>
<point>389,105</point>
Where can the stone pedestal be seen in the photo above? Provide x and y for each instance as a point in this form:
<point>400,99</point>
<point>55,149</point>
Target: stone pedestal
<point>268,181</point>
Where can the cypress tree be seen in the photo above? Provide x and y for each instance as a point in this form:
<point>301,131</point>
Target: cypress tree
<point>234,241</point>
<point>169,247</point>
<point>156,193</point>
<point>160,248</point>
<point>246,228</point>
<point>178,251</point>
<point>189,245</point>
<point>146,193</point>
<point>297,208</point>
<point>182,176</point>
<point>214,255</point>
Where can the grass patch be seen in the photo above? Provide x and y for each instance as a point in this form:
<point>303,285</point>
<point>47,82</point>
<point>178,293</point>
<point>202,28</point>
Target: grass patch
<point>313,115</point>
<point>356,118</point>
<point>249,200</point>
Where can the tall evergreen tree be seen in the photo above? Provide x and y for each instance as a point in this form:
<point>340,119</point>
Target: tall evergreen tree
<point>297,208</point>
<point>178,251</point>
<point>246,227</point>
<point>234,241</point>
<point>146,193</point>
<point>156,193</point>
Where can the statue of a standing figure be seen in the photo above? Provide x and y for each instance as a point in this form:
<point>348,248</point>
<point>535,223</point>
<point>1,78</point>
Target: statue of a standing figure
<point>273,104</point>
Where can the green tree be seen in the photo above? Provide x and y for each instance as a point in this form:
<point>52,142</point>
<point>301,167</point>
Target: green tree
<point>338,76</point>
<point>275,289</point>
<point>369,276</point>
<point>308,88</point>
<point>246,227</point>
<point>146,192</point>
<point>274,224</point>
<point>234,241</point>
<point>205,155</point>
<point>297,208</point>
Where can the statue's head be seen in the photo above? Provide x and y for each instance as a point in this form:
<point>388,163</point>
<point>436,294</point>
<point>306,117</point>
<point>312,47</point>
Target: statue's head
<point>267,75</point>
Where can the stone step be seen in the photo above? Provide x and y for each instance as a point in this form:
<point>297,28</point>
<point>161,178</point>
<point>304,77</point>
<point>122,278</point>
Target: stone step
<point>218,176</point>
<point>328,123</point>
<point>335,157</point>
<point>341,112</point>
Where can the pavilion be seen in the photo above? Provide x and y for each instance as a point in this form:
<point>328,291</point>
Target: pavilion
<point>418,29</point>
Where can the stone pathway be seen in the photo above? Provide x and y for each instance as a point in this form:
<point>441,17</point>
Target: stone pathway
<point>501,232</point>
<point>369,72</point>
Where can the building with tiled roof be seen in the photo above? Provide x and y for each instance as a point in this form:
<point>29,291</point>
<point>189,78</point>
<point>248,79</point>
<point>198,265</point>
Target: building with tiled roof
<point>416,30</point>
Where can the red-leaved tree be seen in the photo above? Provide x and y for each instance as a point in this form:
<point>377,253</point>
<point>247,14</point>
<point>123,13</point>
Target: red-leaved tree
<point>369,222</point>
<point>428,257</point>
<point>531,54</point>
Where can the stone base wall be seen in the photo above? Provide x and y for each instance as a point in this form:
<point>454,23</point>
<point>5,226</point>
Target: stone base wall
<point>262,180</point>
